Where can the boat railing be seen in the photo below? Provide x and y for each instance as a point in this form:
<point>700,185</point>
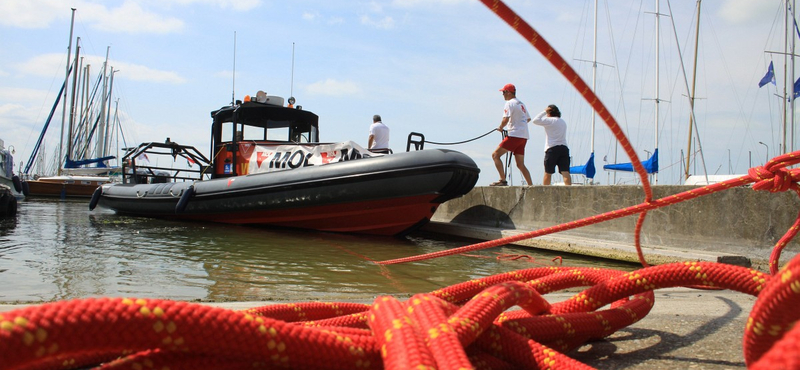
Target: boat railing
<point>416,139</point>
<point>140,164</point>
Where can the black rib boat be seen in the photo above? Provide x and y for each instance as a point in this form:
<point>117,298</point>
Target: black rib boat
<point>269,168</point>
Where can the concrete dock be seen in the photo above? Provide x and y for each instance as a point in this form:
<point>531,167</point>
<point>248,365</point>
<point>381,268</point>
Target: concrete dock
<point>737,226</point>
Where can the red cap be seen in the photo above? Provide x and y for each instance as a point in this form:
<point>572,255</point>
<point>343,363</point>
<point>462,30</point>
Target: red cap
<point>509,87</point>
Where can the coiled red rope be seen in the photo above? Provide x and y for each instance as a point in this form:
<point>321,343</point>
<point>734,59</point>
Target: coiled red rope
<point>457,327</point>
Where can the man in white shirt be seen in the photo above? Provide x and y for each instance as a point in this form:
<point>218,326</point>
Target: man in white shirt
<point>516,118</point>
<point>378,136</point>
<point>556,152</point>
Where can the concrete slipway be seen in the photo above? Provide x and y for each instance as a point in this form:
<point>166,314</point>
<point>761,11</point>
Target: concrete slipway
<point>738,226</point>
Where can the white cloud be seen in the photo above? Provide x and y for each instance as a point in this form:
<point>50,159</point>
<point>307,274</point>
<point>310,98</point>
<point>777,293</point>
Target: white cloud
<point>746,11</point>
<point>44,65</point>
<point>413,3</point>
<point>19,94</point>
<point>386,23</point>
<point>10,110</point>
<point>142,73</point>
<point>334,88</point>
<point>238,5</point>
<point>31,13</point>
<point>314,17</point>
<point>131,18</point>
<point>310,16</point>
<point>375,7</point>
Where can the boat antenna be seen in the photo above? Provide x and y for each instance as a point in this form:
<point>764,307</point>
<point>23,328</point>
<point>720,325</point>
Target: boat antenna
<point>233,83</point>
<point>291,86</point>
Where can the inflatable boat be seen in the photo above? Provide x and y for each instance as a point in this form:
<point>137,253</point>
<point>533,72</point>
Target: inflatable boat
<point>269,168</point>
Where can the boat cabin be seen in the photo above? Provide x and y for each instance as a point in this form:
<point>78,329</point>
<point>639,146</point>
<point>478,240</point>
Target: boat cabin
<point>262,120</point>
<point>236,131</point>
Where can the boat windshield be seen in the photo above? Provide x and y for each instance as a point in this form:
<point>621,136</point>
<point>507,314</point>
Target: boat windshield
<point>261,122</point>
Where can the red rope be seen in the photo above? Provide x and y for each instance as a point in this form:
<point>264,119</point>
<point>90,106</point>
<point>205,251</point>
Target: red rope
<point>456,327</point>
<point>459,327</point>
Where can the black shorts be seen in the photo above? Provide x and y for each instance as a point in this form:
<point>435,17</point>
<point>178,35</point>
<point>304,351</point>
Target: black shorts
<point>556,156</point>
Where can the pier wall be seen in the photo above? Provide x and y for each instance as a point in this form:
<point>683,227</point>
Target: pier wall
<point>735,223</point>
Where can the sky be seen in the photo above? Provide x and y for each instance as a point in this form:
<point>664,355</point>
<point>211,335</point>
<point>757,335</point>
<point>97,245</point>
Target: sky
<point>433,67</point>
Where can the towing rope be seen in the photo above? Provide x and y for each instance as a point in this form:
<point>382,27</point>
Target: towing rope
<point>463,142</point>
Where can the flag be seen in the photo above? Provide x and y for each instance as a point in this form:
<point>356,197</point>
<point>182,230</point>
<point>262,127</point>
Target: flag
<point>769,77</point>
<point>795,90</point>
<point>143,156</point>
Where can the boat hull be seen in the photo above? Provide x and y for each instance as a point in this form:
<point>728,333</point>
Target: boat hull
<point>387,195</point>
<point>64,187</point>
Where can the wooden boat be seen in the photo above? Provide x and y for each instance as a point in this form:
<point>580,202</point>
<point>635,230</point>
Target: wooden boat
<point>269,168</point>
<point>65,186</point>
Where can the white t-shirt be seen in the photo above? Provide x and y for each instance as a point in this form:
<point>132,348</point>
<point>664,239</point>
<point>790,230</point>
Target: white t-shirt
<point>518,117</point>
<point>555,129</point>
<point>381,135</point>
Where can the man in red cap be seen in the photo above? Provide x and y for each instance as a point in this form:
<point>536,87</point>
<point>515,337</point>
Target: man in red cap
<point>515,118</point>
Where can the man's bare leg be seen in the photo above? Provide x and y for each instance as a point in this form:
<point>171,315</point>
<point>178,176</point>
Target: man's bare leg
<point>498,163</point>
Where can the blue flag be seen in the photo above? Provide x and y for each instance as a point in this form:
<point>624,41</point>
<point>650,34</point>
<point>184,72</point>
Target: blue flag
<point>769,77</point>
<point>796,90</point>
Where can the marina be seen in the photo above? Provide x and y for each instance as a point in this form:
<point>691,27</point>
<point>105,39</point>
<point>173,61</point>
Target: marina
<point>241,269</point>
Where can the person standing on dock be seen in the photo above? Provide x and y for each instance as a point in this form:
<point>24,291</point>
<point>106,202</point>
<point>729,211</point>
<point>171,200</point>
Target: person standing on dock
<point>378,136</point>
<point>516,118</point>
<point>556,152</point>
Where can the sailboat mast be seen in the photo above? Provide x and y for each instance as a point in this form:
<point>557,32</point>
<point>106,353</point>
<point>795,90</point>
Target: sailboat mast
<point>99,142</point>
<point>658,66</point>
<point>691,98</point>
<point>786,149</point>
<point>785,70</point>
<point>109,123</point>
<point>594,71</point>
<point>70,132</point>
<point>66,80</point>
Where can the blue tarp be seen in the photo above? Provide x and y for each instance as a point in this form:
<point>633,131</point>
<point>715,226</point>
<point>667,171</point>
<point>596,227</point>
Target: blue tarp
<point>650,165</point>
<point>76,164</point>
<point>587,170</point>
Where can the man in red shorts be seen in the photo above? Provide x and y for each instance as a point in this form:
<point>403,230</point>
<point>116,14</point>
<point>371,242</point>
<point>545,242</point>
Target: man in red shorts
<point>515,118</point>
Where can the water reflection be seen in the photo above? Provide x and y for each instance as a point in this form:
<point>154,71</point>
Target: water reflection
<point>60,250</point>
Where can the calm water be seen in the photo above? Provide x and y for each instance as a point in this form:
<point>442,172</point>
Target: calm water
<point>57,250</point>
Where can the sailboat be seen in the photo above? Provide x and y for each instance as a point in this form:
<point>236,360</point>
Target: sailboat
<point>588,169</point>
<point>77,174</point>
<point>651,164</point>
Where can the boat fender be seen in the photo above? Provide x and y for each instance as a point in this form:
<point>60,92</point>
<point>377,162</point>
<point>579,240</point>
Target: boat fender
<point>17,183</point>
<point>184,201</point>
<point>95,197</point>
<point>26,188</point>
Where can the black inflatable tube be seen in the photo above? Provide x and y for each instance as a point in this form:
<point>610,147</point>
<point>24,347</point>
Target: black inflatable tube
<point>184,201</point>
<point>17,183</point>
<point>95,197</point>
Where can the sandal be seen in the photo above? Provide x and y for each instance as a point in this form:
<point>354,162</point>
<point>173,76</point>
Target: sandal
<point>499,183</point>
